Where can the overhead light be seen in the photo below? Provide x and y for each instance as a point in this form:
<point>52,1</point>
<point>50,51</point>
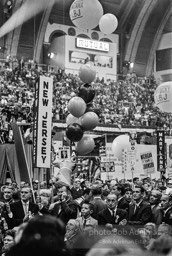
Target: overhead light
<point>51,55</point>
<point>9,3</point>
<point>131,65</point>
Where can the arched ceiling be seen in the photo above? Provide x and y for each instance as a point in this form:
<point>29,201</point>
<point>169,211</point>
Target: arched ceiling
<point>141,25</point>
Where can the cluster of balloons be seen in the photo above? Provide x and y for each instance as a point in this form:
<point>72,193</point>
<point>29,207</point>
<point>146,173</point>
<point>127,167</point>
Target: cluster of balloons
<point>81,14</point>
<point>81,118</point>
<point>163,97</point>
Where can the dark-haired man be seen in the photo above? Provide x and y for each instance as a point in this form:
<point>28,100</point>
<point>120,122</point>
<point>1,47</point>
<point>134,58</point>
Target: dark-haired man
<point>97,202</point>
<point>65,208</point>
<point>128,195</point>
<point>140,211</point>
<point>122,202</point>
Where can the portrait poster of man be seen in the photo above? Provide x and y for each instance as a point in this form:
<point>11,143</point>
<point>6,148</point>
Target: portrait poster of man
<point>64,153</point>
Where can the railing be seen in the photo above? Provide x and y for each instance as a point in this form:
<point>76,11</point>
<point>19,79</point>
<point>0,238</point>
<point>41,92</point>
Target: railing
<point>52,68</point>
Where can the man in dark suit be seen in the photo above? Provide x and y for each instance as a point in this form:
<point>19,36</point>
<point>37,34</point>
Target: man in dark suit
<point>112,215</point>
<point>65,208</point>
<point>76,190</point>
<point>122,202</point>
<point>23,210</point>
<point>139,211</point>
<point>157,211</point>
<point>97,202</point>
<point>166,204</point>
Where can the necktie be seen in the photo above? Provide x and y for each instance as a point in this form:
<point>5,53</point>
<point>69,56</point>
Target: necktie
<point>113,214</point>
<point>84,223</point>
<point>135,208</point>
<point>25,208</point>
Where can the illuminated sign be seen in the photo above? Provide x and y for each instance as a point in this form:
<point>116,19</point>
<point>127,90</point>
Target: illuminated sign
<point>92,44</point>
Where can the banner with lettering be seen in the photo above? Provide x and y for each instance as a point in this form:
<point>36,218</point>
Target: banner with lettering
<point>42,122</point>
<point>161,156</point>
<point>148,163</point>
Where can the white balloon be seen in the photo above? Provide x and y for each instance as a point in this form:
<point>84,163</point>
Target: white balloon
<point>108,23</point>
<point>163,97</point>
<point>119,143</point>
<point>85,14</point>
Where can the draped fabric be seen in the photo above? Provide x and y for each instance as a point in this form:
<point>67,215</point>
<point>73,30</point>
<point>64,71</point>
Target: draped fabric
<point>20,152</point>
<point>9,162</point>
<point>10,155</point>
<point>2,163</point>
<point>29,156</point>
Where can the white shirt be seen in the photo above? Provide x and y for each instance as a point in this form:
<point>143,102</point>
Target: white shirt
<point>168,190</point>
<point>26,210</point>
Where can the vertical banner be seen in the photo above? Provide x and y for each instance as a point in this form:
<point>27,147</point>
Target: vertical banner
<point>42,122</point>
<point>124,160</point>
<point>161,159</point>
<point>21,154</point>
<point>132,155</point>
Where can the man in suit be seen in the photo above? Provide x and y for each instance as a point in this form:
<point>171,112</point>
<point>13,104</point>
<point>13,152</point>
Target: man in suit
<point>122,202</point>
<point>65,208</point>
<point>129,195</point>
<point>23,210</point>
<point>112,215</point>
<point>157,212</point>
<point>76,190</point>
<point>97,202</point>
<point>139,211</point>
<point>166,204</point>
<point>86,221</point>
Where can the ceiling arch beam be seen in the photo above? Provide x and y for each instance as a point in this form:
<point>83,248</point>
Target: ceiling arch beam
<point>139,26</point>
<point>12,39</point>
<point>156,41</point>
<point>41,31</point>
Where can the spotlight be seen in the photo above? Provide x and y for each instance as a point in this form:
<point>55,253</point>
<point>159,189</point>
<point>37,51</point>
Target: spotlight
<point>51,55</point>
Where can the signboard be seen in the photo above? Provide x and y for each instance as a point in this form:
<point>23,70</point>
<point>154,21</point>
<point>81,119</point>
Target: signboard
<point>161,159</point>
<point>168,143</point>
<point>92,44</point>
<point>42,122</point>
<point>124,160</point>
<point>148,163</point>
<point>132,153</point>
<point>107,176</point>
<point>64,153</point>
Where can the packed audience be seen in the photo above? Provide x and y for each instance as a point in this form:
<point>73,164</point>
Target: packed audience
<point>129,102</point>
<point>117,217</point>
<point>126,217</point>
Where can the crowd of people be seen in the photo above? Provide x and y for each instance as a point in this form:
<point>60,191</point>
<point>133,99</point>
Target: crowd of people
<point>128,102</point>
<point>112,218</point>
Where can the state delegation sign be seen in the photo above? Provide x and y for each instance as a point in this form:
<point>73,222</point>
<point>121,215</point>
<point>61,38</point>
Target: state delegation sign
<point>42,122</point>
